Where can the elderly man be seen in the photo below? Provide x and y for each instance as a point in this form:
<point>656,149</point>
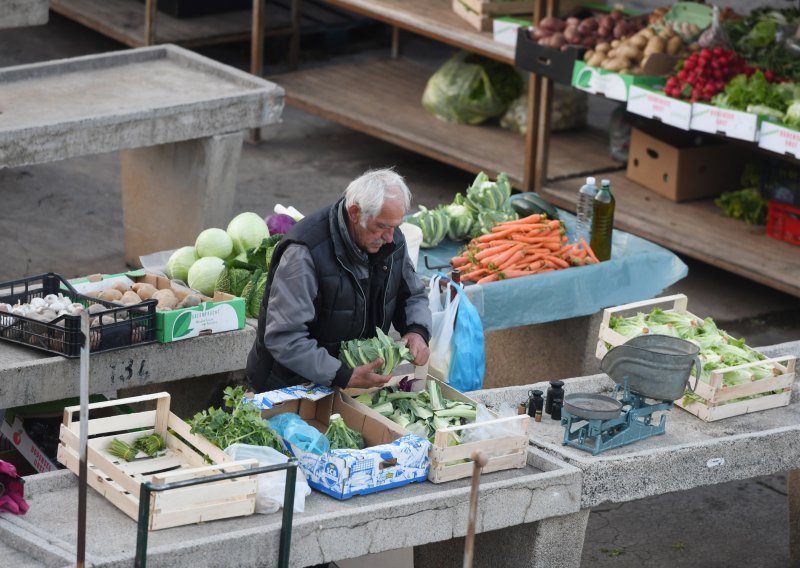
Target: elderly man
<point>337,275</point>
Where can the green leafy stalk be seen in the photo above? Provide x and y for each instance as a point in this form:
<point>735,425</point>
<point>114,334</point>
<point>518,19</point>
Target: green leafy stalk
<point>341,436</point>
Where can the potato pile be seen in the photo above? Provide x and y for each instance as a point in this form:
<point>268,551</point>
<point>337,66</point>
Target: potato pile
<point>167,300</point>
<point>629,55</point>
<point>559,34</point>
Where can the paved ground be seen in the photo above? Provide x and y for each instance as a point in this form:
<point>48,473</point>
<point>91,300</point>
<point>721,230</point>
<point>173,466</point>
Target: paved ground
<point>66,217</point>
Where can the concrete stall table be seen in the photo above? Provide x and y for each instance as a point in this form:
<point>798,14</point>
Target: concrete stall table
<point>526,515</point>
<point>177,117</point>
<point>28,376</point>
<point>555,317</point>
<point>691,453</point>
<point>23,13</point>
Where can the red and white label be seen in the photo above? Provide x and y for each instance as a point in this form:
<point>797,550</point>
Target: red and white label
<point>779,139</point>
<point>731,123</point>
<point>651,104</point>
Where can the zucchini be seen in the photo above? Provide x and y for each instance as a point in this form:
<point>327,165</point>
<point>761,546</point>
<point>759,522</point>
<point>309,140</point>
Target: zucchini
<point>529,203</point>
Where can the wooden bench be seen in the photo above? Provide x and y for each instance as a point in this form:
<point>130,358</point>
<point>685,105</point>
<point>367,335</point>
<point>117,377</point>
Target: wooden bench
<point>178,119</point>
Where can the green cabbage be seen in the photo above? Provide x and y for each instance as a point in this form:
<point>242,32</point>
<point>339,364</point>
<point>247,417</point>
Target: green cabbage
<point>434,224</point>
<point>247,230</point>
<point>213,242</point>
<point>469,89</point>
<point>179,263</point>
<point>204,273</point>
<point>460,221</point>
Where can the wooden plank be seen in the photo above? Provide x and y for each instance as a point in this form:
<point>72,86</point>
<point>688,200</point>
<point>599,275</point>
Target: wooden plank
<point>714,413</point>
<point>695,228</point>
<point>119,423</point>
<point>218,492</point>
<point>441,473</point>
<point>382,98</point>
<point>480,22</point>
<point>500,8</point>
<point>124,21</point>
<point>201,514</point>
<point>431,18</point>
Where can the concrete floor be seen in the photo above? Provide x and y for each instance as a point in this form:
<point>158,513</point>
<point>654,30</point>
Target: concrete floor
<point>66,217</point>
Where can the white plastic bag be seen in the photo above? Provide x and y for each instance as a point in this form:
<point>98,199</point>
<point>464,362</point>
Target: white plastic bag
<point>443,310</point>
<point>269,495</point>
<point>493,430</point>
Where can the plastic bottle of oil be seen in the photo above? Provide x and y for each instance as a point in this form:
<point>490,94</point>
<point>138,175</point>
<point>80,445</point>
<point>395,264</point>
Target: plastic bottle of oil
<point>584,209</point>
<point>602,221</point>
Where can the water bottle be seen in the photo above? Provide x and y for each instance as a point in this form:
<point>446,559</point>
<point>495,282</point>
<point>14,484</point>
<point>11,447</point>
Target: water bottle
<point>583,210</point>
<point>602,221</point>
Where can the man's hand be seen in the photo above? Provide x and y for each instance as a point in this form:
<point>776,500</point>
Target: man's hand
<point>418,349</point>
<point>364,377</point>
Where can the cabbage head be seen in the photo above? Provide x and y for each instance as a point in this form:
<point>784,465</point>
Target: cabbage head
<point>792,116</point>
<point>247,230</point>
<point>204,273</point>
<point>179,263</point>
<point>214,242</point>
<point>460,221</point>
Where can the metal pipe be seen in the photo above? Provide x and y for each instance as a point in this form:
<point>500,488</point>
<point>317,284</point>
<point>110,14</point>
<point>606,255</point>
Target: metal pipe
<point>140,561</point>
<point>83,442</point>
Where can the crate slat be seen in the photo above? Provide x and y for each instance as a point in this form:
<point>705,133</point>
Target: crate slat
<point>714,392</point>
<point>224,492</point>
<point>198,514</point>
<point>441,473</point>
<point>499,8</point>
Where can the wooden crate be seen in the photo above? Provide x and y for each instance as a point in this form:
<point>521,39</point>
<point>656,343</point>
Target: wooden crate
<point>499,8</point>
<point>714,393</point>
<point>119,481</point>
<point>481,22</point>
<point>505,452</point>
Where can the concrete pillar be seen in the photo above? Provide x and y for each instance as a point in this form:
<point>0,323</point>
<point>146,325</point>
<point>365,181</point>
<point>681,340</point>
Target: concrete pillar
<point>794,518</point>
<point>541,352</point>
<point>556,541</point>
<point>171,192</point>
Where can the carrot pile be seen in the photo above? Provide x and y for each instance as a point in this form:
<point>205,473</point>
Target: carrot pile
<point>531,245</point>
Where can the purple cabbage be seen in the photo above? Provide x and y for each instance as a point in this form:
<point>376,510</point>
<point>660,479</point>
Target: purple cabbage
<point>279,223</point>
<point>406,384</point>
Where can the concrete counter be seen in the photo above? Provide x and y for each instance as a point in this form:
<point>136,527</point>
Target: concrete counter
<point>28,376</point>
<point>177,116</point>
<point>691,453</point>
<point>328,530</point>
<point>21,13</point>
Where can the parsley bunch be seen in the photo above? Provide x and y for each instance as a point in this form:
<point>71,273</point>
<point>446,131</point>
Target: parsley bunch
<point>243,424</point>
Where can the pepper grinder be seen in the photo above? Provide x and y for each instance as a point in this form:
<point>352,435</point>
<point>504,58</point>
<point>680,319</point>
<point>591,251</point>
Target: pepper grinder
<point>554,393</point>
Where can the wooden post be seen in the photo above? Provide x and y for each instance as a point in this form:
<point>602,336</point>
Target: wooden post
<point>537,138</point>
<point>257,55</point>
<point>294,41</point>
<point>395,42</point>
<point>150,9</point>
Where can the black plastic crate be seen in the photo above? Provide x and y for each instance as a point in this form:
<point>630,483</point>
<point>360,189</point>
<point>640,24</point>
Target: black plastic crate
<point>548,62</point>
<point>118,328</point>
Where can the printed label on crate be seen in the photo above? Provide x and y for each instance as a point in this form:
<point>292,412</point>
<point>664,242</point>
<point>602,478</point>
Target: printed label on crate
<point>26,446</point>
<point>780,139</point>
<point>607,83</point>
<point>310,391</point>
<point>344,473</point>
<point>652,104</point>
<point>731,123</point>
<point>208,317</point>
<point>505,30</point>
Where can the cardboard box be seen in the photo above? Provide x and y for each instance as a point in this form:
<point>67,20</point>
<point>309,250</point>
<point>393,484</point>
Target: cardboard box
<point>223,312</point>
<point>612,85</point>
<point>731,123</point>
<point>505,29</point>
<point>545,61</point>
<point>780,139</point>
<point>670,163</point>
<point>390,459</point>
<point>447,463</point>
<point>656,105</point>
<point>16,434</point>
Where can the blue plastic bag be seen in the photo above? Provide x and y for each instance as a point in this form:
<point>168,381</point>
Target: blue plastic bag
<point>467,360</point>
<point>300,433</point>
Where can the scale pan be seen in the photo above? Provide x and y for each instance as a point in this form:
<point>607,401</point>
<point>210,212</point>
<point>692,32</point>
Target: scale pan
<point>592,406</point>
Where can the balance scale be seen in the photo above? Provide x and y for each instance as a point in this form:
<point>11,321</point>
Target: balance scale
<point>650,372</point>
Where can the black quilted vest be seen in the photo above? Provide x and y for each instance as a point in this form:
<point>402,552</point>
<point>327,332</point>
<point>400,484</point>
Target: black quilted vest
<point>341,306</point>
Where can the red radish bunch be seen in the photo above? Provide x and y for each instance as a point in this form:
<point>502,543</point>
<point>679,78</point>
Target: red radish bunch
<point>705,73</point>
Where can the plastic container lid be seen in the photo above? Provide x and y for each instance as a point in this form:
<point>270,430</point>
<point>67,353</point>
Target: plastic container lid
<point>590,180</point>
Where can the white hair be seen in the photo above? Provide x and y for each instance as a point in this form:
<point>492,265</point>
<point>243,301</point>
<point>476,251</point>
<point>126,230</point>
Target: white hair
<point>370,190</point>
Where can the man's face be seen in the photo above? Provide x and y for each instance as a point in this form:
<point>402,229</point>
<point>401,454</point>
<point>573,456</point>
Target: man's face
<point>379,230</point>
